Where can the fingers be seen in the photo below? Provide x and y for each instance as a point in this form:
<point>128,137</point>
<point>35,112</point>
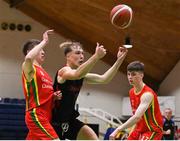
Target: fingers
<point>111,137</point>
<point>58,95</point>
<point>100,46</point>
<point>123,49</point>
<point>101,51</point>
<point>51,31</point>
<point>45,35</point>
<point>48,32</point>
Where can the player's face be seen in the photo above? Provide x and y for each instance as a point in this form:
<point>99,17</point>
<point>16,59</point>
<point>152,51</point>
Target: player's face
<point>168,114</point>
<point>134,77</point>
<point>76,56</point>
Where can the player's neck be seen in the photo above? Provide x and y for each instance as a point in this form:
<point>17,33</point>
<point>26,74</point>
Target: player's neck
<point>138,87</point>
<point>36,63</point>
<point>168,118</point>
<point>71,66</point>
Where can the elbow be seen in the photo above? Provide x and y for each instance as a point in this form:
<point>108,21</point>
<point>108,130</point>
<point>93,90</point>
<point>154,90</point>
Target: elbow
<point>104,80</point>
<point>101,81</point>
<point>78,75</point>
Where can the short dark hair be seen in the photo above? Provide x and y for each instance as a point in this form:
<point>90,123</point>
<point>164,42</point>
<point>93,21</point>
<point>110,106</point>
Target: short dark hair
<point>68,46</point>
<point>30,44</point>
<point>135,66</point>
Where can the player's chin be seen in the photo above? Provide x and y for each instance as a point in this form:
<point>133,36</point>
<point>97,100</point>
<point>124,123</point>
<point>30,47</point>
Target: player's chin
<point>42,59</point>
<point>77,65</point>
<point>131,83</point>
<point>80,63</point>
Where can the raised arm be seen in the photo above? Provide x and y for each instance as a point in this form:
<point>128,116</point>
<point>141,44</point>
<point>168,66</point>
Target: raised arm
<point>110,73</point>
<point>68,73</point>
<point>146,100</point>
<point>27,66</point>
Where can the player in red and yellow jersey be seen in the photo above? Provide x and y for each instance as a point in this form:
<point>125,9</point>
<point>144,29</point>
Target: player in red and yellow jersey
<point>147,118</point>
<point>38,91</point>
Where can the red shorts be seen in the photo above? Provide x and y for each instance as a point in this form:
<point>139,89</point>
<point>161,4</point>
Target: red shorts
<point>39,126</point>
<point>149,135</point>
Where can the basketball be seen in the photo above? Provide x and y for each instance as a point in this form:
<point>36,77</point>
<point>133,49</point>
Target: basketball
<point>121,16</point>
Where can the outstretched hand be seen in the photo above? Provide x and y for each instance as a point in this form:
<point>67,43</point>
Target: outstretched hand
<point>122,52</point>
<point>118,134</point>
<point>100,51</point>
<point>113,135</point>
<point>46,34</point>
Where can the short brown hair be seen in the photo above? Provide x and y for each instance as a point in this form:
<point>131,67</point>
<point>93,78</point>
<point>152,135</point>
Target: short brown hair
<point>68,45</point>
<point>30,44</point>
<point>135,66</point>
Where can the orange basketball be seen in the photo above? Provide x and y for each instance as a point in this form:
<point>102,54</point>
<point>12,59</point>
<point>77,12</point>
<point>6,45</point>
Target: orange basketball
<point>121,16</point>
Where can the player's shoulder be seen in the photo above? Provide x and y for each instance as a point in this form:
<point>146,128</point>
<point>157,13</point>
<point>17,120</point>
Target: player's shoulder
<point>65,68</point>
<point>147,88</point>
<point>147,96</point>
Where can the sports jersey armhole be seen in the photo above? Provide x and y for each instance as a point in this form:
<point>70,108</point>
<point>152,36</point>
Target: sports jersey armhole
<point>152,99</point>
<point>33,74</point>
<point>24,75</point>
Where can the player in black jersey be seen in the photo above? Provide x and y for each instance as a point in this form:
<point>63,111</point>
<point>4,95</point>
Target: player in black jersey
<point>69,80</point>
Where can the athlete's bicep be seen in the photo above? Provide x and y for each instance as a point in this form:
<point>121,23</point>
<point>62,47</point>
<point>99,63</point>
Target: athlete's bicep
<point>92,78</point>
<point>146,100</point>
<point>66,73</point>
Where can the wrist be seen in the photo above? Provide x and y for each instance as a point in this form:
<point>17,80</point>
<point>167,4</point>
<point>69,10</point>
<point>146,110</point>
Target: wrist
<point>44,42</point>
<point>96,57</point>
<point>121,57</point>
<point>119,129</point>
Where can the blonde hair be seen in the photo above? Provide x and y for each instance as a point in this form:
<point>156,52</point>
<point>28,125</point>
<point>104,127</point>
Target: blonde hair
<point>68,46</point>
<point>65,44</point>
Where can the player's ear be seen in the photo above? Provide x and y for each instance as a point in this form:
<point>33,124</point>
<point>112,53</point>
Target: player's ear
<point>68,55</point>
<point>142,74</point>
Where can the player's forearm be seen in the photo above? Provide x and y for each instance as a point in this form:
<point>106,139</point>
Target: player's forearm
<point>83,69</point>
<point>109,74</point>
<point>129,123</point>
<point>138,114</point>
<point>34,52</point>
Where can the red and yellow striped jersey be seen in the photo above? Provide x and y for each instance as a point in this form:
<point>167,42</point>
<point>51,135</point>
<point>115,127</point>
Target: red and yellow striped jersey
<point>39,91</point>
<point>152,119</point>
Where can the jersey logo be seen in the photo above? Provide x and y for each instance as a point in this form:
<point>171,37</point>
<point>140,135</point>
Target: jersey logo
<point>145,138</point>
<point>42,73</point>
<point>65,126</point>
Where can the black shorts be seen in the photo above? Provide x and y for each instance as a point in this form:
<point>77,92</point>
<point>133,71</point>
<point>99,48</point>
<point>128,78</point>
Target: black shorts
<point>69,129</point>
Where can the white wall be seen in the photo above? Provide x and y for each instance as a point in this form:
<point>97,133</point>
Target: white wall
<point>171,86</point>
<point>107,97</point>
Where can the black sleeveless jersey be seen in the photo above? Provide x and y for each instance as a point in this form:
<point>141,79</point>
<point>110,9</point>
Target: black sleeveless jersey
<point>64,109</point>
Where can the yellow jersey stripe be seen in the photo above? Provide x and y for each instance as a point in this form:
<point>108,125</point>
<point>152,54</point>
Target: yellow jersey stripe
<point>35,88</point>
<point>152,136</point>
<point>146,120</point>
<point>26,85</point>
<point>37,122</point>
<point>154,119</point>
